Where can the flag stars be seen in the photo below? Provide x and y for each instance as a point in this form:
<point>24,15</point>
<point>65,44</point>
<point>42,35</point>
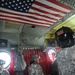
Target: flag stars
<point>17,5</point>
<point>29,3</point>
<point>2,0</point>
<point>8,6</point>
<point>23,1</point>
<point>18,0</point>
<point>20,9</point>
<point>2,4</point>
<point>32,0</point>
<point>13,1</point>
<point>27,0</point>
<point>25,4</point>
<point>5,3</point>
<point>9,2</point>
<point>15,8</point>
<point>12,5</point>
<point>20,3</point>
<point>24,8</point>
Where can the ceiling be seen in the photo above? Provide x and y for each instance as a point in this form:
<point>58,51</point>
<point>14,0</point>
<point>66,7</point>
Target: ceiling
<point>70,22</point>
<point>30,29</point>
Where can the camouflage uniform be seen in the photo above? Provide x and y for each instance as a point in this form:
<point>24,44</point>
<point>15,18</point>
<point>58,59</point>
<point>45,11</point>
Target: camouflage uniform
<point>4,72</point>
<point>35,70</point>
<point>19,64</point>
<point>66,61</point>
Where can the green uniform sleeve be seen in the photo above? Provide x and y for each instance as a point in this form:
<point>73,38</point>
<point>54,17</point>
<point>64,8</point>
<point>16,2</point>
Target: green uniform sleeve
<point>31,71</point>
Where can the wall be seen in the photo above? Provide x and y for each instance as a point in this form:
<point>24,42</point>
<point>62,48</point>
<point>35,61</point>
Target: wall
<point>44,61</point>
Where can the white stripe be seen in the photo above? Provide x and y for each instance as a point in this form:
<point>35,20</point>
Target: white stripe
<point>53,5</point>
<point>24,21</point>
<point>25,18</point>
<point>48,10</point>
<point>31,15</point>
<point>44,14</point>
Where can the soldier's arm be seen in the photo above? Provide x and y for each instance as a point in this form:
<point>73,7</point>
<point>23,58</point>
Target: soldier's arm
<point>5,72</point>
<point>30,71</point>
<point>41,70</point>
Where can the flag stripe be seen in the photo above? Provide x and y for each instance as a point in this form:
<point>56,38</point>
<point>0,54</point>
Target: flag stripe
<point>60,4</point>
<point>56,5</point>
<point>29,16</point>
<point>21,21</point>
<point>45,12</point>
<point>32,20</point>
<point>56,17</point>
<point>49,7</point>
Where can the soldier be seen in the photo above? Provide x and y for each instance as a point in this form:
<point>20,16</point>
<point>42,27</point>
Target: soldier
<point>20,63</point>
<point>66,61</point>
<point>35,68</point>
<point>2,70</point>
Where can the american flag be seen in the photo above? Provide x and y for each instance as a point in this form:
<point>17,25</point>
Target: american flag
<point>35,12</point>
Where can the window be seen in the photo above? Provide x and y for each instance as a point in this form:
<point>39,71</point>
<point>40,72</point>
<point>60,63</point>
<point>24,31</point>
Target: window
<point>52,55</point>
<point>4,55</point>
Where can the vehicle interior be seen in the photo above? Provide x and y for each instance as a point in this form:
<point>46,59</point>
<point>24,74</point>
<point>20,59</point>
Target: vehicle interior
<point>38,27</point>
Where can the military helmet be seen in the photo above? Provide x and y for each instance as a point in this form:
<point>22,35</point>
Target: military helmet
<point>34,57</point>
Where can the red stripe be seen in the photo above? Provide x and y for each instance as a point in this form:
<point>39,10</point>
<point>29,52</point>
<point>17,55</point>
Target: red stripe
<point>26,19</point>
<point>42,15</point>
<point>37,9</point>
<point>49,7</point>
<point>60,4</point>
<point>23,19</point>
<point>24,22</point>
<point>32,17</point>
<point>24,15</point>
